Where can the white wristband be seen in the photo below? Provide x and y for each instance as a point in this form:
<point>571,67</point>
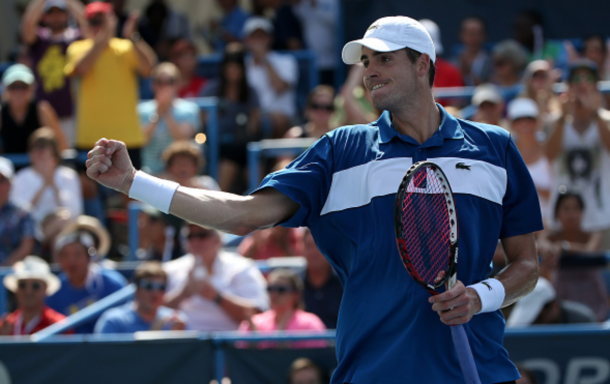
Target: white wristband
<point>153,191</point>
<point>491,293</point>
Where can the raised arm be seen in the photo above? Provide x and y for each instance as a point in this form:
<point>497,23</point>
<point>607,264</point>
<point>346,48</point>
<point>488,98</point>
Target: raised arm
<point>109,164</point>
<point>146,56</point>
<point>30,21</point>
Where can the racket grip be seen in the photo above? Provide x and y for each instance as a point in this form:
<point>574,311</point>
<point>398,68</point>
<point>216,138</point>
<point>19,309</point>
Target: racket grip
<point>464,354</point>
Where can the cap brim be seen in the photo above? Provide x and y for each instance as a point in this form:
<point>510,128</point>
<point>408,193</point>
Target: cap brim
<point>53,283</point>
<point>352,51</point>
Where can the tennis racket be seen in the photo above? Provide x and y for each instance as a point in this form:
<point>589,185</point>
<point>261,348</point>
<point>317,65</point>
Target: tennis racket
<point>426,224</point>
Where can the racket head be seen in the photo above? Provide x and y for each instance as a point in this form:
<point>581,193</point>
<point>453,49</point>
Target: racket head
<point>426,226</point>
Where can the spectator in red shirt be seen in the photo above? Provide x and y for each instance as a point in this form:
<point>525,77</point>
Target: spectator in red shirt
<point>31,282</point>
<point>183,54</point>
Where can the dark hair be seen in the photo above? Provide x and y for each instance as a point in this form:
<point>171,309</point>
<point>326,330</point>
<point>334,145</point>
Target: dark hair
<point>477,19</point>
<point>294,280</point>
<point>594,36</point>
<point>566,195</point>
<point>44,137</point>
<point>149,270</point>
<point>234,53</point>
<point>413,56</point>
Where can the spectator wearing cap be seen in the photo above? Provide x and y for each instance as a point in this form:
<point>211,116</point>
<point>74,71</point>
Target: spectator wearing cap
<point>490,105</point>
<point>166,118</point>
<point>46,185</point>
<point>447,74</point>
<point>107,68</point>
<point>16,224</point>
<point>285,289</point>
<point>216,289</point>
<point>474,61</point>
<point>31,281</point>
<point>238,117</point>
<point>524,119</point>
<point>287,32</point>
<point>230,28</point>
<point>319,21</point>
<point>183,54</point>
<point>21,114</point>
<point>538,81</point>
<point>161,25</point>
<point>578,147</point>
<point>542,306</point>
<point>83,281</point>
<point>145,312</point>
<point>580,284</point>
<point>323,290</point>
<point>509,60</point>
<point>47,48</point>
<point>272,75</point>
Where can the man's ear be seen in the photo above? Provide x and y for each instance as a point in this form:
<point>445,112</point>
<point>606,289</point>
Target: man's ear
<point>423,64</point>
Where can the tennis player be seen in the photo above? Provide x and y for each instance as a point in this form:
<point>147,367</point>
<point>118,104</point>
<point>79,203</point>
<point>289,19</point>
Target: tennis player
<point>343,188</point>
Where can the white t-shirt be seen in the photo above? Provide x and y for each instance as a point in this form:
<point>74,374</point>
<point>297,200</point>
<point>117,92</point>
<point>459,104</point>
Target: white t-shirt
<point>541,174</point>
<point>319,21</point>
<point>233,275</point>
<point>584,166</point>
<point>287,69</point>
<point>28,182</point>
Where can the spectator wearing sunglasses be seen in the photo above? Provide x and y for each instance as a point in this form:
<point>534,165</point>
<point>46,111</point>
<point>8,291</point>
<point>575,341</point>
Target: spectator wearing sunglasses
<point>216,289</point>
<point>31,281</point>
<point>579,147</point>
<point>83,281</point>
<point>318,112</point>
<point>21,114</point>
<point>509,59</point>
<point>166,118</point>
<point>285,289</point>
<point>145,312</point>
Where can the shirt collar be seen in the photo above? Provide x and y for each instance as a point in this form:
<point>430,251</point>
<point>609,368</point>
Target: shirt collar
<point>449,129</point>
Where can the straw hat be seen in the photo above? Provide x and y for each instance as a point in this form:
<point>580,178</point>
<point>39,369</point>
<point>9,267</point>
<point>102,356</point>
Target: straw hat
<point>94,226</point>
<point>32,267</point>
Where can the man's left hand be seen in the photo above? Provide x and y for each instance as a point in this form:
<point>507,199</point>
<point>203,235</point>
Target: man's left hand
<point>131,25</point>
<point>457,305</point>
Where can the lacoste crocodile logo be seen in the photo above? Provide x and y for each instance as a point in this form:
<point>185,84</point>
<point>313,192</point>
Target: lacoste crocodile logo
<point>462,166</point>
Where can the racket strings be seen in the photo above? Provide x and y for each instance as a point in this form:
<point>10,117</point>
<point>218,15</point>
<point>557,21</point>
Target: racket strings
<point>426,227</point>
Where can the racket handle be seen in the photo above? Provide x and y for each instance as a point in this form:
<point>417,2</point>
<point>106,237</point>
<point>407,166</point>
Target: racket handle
<point>464,354</point>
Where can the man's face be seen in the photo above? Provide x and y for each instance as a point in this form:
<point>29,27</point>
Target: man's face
<point>149,293</point>
<point>97,23</point>
<point>390,78</point>
<point>582,82</point>
<point>30,293</point>
<point>74,260</point>
<point>472,33</point>
<point>490,112</point>
<point>56,19</point>
<point>258,41</point>
<point>594,50</point>
<point>5,189</point>
<point>524,126</point>
<point>202,242</point>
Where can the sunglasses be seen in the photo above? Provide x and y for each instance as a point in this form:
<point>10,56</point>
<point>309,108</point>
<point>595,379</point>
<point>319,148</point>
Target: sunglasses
<point>540,75</point>
<point>582,79</point>
<point>150,286</point>
<point>281,289</point>
<point>35,285</point>
<point>199,235</point>
<point>18,86</point>
<point>500,63</point>
<point>322,107</point>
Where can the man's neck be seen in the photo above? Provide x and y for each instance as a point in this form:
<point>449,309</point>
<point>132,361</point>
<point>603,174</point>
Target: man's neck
<point>147,314</point>
<point>78,281</point>
<point>420,120</point>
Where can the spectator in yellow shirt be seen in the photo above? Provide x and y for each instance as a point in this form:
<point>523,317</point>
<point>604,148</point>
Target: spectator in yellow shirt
<point>108,69</point>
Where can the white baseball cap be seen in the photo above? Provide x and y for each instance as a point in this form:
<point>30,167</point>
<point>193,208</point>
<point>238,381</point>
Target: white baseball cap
<point>522,107</point>
<point>6,168</point>
<point>435,34</point>
<point>486,92</point>
<point>255,23</point>
<point>390,34</point>
<point>528,308</point>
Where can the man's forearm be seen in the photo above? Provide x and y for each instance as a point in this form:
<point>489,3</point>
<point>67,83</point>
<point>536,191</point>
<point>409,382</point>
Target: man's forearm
<point>604,130</point>
<point>278,84</point>
<point>236,307</point>
<point>553,145</point>
<point>147,58</point>
<point>30,21</point>
<point>521,274</point>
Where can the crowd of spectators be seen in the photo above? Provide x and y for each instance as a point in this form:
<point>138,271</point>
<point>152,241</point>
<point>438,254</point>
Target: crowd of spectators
<point>79,80</point>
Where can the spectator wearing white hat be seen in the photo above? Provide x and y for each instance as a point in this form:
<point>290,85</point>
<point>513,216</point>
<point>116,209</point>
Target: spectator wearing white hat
<point>31,281</point>
<point>16,224</point>
<point>524,118</point>
<point>490,105</point>
<point>541,306</point>
<point>83,282</point>
<point>447,74</point>
<point>272,75</point>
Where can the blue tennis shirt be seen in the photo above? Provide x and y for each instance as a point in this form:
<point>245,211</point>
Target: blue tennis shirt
<point>346,185</point>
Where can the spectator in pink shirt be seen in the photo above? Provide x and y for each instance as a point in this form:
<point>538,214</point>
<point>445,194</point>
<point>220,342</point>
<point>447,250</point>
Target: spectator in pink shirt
<point>285,293</point>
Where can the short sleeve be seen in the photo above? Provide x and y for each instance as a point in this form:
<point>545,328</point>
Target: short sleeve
<point>306,181</point>
<point>521,208</point>
<point>73,54</point>
<point>287,69</point>
<point>250,284</point>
